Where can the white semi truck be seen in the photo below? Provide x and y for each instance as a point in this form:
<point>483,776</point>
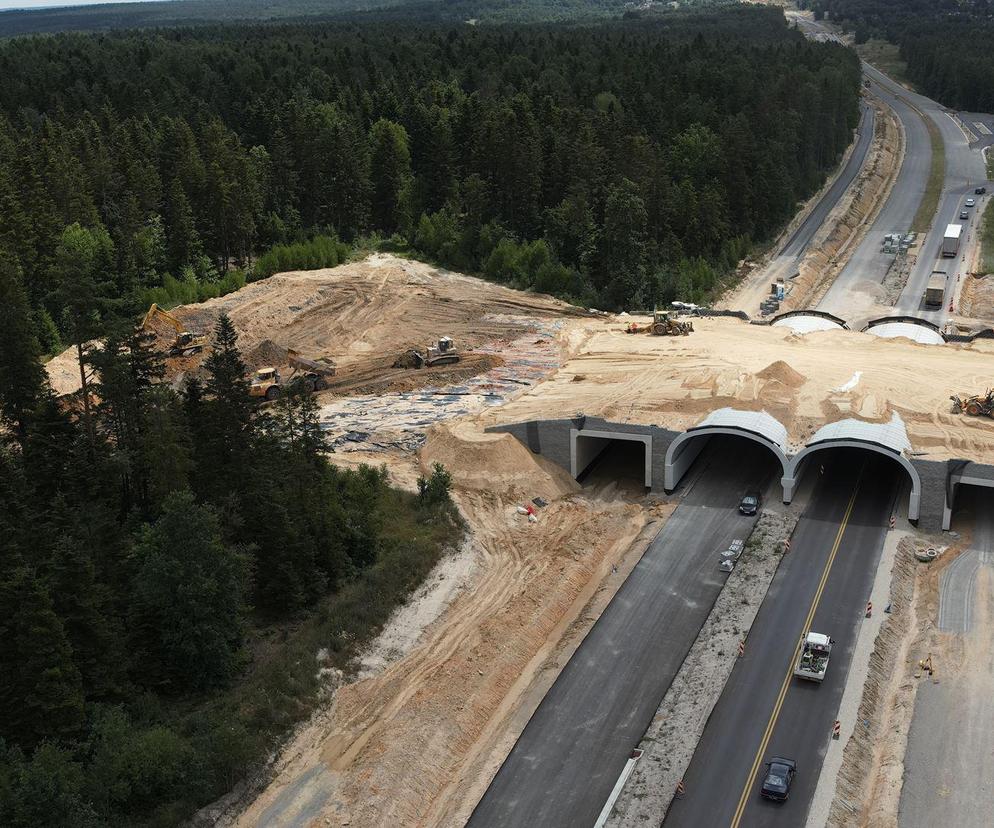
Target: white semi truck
<point>812,657</point>
<point>950,241</point>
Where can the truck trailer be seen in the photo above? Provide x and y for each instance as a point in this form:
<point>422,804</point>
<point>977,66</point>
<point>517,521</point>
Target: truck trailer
<point>935,291</point>
<point>812,657</point>
<point>950,241</point>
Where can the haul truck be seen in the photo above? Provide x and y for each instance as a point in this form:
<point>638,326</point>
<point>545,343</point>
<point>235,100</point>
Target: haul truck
<point>950,241</point>
<point>812,657</point>
<point>935,291</point>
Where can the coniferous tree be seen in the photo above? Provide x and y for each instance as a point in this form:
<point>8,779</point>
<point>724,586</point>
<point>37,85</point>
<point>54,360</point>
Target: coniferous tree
<point>189,597</point>
<point>22,378</point>
<point>41,693</point>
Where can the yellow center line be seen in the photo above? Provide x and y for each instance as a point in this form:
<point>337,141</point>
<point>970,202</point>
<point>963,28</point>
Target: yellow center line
<point>750,781</point>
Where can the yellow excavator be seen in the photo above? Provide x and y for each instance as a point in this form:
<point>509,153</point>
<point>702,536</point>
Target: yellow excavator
<point>186,342</point>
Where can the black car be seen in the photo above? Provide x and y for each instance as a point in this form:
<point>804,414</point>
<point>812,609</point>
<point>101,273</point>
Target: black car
<point>980,191</point>
<point>749,504</point>
<point>779,776</point>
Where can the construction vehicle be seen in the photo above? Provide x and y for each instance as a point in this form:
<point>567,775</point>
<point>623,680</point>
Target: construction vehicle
<point>269,382</point>
<point>812,658</point>
<point>975,406</point>
<point>444,353</point>
<point>665,323</point>
<point>186,342</point>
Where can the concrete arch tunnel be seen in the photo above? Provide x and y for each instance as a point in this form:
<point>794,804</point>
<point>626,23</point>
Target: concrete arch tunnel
<point>657,457</point>
<point>888,439</point>
<point>757,426</point>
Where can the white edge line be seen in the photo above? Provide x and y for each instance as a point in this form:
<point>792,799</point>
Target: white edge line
<point>618,786</point>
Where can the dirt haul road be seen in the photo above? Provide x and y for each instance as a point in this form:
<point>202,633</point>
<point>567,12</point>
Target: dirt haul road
<point>414,743</point>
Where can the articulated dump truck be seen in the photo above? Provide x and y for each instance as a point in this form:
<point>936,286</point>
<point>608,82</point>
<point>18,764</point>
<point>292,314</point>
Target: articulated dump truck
<point>812,657</point>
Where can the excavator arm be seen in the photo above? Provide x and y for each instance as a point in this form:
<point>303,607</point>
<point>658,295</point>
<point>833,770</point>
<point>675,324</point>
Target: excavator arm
<point>155,310</point>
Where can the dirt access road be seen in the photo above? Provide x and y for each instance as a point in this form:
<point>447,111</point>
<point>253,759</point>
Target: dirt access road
<point>411,744</point>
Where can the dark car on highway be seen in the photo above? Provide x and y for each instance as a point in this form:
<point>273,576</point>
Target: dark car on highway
<point>980,191</point>
<point>779,776</point>
<point>749,504</point>
<point>964,215</point>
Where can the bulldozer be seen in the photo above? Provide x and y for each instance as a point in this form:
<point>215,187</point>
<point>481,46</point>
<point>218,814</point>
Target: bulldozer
<point>269,382</point>
<point>186,343</point>
<point>975,406</point>
<point>665,323</point>
<point>444,353</point>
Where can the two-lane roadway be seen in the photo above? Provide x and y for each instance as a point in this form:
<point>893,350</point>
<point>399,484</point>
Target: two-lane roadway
<point>566,762</point>
<point>822,584</point>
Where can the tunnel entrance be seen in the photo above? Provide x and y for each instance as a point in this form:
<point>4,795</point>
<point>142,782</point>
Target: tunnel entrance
<point>813,459</point>
<point>618,455</point>
<point>734,443</point>
<point>869,483</point>
<point>964,490</point>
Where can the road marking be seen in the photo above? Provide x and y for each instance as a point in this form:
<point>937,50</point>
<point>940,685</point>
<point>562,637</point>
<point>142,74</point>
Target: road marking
<point>750,781</point>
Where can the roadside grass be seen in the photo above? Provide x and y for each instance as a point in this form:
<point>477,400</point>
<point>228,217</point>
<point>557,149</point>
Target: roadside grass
<point>989,163</point>
<point>290,664</point>
<point>886,57</point>
<point>986,263</point>
<point>936,176</point>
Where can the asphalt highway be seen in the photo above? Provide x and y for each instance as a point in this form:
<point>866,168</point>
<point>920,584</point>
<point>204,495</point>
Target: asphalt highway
<point>822,584</point>
<point>801,237</point>
<point>867,266</point>
<point>569,756</point>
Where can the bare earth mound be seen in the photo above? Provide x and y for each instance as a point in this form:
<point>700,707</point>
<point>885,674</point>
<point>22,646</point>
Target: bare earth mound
<point>363,316</point>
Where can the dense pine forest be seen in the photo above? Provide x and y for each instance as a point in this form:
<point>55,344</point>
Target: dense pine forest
<point>615,165</point>
<point>164,591</point>
<point>945,43</point>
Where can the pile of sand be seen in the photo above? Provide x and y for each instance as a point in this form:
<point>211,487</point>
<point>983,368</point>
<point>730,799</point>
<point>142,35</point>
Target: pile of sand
<point>264,355</point>
<point>412,744</point>
<point>494,462</point>
<point>780,371</point>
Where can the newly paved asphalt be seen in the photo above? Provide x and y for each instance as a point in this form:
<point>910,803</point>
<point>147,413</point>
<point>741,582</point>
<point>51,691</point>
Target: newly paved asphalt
<point>859,281</point>
<point>801,237</point>
<point>867,266</point>
<point>964,171</point>
<point>762,702</point>
<point>563,767</point>
<point>949,762</point>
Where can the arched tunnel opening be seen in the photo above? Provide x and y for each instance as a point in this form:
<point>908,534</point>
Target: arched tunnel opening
<point>882,477</point>
<point>723,445</point>
<point>731,464</point>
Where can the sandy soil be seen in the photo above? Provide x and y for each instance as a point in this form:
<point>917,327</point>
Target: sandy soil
<point>976,298</point>
<point>677,381</point>
<point>393,747</point>
<point>869,781</point>
<point>362,316</point>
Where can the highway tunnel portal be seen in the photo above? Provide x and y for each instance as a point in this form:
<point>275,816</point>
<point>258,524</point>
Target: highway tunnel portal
<point>660,457</point>
<point>757,426</point>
